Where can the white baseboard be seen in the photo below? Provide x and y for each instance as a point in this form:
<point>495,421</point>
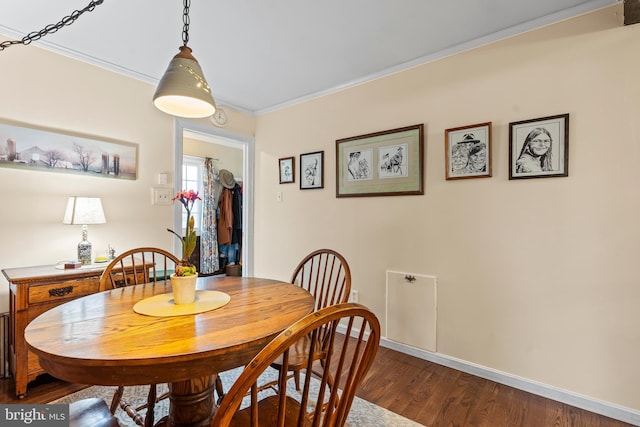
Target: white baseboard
<point>607,409</point>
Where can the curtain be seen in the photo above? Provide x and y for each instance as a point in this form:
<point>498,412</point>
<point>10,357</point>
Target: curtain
<point>209,261</point>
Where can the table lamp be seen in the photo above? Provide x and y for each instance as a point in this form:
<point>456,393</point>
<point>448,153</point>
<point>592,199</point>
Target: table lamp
<point>84,211</point>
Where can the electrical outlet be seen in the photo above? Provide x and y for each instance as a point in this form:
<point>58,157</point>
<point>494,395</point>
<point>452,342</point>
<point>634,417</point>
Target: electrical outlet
<point>354,296</point>
<point>161,196</point>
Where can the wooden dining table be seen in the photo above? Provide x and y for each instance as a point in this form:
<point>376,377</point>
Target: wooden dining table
<point>99,339</point>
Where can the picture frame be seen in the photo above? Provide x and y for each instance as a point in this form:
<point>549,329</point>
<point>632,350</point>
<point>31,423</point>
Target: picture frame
<point>287,171</point>
<point>35,148</point>
<point>539,148</point>
<point>468,151</point>
<point>312,170</point>
<point>386,163</point>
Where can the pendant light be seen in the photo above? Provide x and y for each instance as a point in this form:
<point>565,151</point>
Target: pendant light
<point>183,90</point>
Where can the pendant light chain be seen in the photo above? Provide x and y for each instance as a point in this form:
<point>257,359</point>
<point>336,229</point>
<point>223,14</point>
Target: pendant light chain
<point>185,21</point>
<point>52,28</point>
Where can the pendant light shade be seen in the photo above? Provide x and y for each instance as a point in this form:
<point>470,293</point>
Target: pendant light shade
<point>183,90</point>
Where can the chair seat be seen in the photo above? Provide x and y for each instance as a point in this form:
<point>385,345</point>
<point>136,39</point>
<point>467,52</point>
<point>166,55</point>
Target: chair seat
<point>268,413</point>
<point>92,412</point>
<point>299,355</point>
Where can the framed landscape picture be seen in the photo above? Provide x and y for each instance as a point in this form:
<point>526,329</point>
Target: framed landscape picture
<point>468,151</point>
<point>33,148</point>
<point>287,170</point>
<point>387,163</point>
<point>539,148</point>
<point>312,170</point>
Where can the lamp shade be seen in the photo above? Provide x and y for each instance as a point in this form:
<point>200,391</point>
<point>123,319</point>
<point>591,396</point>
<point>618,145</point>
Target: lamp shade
<point>183,90</point>
<point>84,211</point>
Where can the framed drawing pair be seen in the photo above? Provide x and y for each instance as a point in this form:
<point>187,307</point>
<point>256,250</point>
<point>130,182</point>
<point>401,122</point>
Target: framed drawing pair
<point>538,148</point>
<point>311,170</point>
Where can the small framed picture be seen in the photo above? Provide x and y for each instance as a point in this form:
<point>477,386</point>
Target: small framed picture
<point>539,148</point>
<point>312,170</point>
<point>287,170</point>
<point>468,151</point>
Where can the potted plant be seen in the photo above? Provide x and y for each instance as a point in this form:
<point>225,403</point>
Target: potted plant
<point>183,281</point>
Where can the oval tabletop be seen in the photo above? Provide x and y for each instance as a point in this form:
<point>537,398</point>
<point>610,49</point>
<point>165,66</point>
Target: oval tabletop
<point>103,331</point>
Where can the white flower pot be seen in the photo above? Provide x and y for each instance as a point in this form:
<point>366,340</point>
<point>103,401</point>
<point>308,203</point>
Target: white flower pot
<point>184,288</point>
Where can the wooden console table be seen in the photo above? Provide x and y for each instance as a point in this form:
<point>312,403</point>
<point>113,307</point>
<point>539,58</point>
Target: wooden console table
<point>32,291</point>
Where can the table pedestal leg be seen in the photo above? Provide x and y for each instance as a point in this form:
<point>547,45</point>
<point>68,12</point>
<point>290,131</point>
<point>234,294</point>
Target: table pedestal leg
<point>191,403</point>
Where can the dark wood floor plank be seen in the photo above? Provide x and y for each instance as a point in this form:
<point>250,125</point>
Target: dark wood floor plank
<point>480,417</point>
<point>537,408</point>
<point>502,406</point>
<point>518,408</point>
<point>460,402</point>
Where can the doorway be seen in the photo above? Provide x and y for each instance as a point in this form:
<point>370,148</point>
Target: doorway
<point>187,129</point>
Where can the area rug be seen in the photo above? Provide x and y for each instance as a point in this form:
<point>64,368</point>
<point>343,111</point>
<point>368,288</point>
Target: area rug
<point>362,414</point>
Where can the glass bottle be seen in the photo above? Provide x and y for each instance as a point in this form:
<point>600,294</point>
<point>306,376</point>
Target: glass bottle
<point>84,248</point>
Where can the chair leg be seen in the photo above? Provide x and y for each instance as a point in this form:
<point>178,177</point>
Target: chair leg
<point>115,402</point>
<point>219,389</point>
<point>296,378</point>
<point>151,404</point>
<point>131,412</point>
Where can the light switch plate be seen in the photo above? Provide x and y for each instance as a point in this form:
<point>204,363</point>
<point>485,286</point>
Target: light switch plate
<point>161,196</point>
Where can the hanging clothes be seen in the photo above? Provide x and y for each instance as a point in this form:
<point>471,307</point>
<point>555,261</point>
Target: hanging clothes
<point>225,217</point>
<point>229,220</point>
<point>236,207</point>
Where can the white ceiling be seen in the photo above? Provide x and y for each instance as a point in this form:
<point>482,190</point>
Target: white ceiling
<point>260,55</point>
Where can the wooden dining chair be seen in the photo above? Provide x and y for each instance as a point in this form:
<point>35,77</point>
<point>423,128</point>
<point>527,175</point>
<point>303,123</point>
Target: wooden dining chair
<point>133,267</point>
<point>346,357</point>
<point>91,412</point>
<point>326,275</point>
<point>138,266</point>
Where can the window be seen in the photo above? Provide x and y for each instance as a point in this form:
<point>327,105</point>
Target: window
<point>192,180</point>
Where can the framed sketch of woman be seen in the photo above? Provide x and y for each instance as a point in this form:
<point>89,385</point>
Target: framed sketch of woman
<point>539,148</point>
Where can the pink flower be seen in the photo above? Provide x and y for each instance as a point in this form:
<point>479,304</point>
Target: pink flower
<point>187,198</point>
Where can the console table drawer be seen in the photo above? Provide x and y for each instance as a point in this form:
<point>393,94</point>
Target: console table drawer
<point>63,290</point>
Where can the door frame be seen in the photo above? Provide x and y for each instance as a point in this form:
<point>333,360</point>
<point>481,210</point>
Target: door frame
<point>246,143</point>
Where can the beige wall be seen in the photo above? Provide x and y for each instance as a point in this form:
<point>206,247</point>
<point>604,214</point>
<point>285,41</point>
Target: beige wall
<point>537,278</point>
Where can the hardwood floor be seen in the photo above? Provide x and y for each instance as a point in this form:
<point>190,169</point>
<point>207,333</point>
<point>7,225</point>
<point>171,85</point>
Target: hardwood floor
<point>437,396</point>
<point>425,392</point>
